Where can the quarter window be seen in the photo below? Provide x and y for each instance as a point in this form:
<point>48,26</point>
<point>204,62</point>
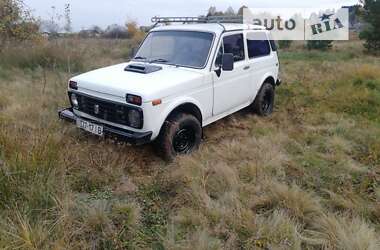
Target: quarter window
<point>258,45</point>
<point>235,44</point>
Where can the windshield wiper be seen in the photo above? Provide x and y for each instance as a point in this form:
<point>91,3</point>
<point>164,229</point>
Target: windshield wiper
<point>140,58</point>
<point>159,60</point>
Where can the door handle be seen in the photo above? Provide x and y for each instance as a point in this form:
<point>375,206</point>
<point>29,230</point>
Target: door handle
<point>246,67</point>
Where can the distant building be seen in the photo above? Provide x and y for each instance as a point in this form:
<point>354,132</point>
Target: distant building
<point>49,29</point>
<point>45,34</point>
<point>90,33</point>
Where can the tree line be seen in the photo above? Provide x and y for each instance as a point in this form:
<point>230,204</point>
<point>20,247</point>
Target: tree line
<point>17,24</point>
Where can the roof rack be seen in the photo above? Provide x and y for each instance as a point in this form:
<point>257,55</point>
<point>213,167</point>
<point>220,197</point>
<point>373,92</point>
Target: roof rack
<point>201,19</point>
<point>225,19</point>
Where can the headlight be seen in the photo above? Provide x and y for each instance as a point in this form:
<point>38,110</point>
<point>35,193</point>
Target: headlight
<point>134,118</point>
<point>74,101</point>
<point>134,99</point>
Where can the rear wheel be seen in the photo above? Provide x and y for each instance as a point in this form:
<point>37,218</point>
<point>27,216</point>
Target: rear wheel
<point>264,102</point>
<point>181,134</point>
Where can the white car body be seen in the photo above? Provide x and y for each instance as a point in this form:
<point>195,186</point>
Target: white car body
<point>215,97</point>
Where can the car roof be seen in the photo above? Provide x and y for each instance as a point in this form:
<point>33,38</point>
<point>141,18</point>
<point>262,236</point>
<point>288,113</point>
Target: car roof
<point>210,27</point>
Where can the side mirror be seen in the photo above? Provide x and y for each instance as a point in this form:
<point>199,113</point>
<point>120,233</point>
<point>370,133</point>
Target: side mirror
<point>228,62</point>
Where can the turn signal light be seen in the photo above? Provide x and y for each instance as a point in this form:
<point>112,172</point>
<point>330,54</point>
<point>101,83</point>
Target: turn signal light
<point>134,99</point>
<point>156,102</point>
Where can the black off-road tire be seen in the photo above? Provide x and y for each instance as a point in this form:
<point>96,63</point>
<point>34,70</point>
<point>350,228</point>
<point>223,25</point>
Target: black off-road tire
<point>264,102</point>
<point>180,134</point>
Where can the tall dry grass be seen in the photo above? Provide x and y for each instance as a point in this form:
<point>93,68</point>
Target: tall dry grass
<point>305,178</point>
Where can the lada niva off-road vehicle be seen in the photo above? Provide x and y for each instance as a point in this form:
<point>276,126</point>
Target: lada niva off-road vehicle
<point>182,78</point>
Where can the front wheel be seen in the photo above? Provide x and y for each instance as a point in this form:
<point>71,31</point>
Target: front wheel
<point>181,134</point>
<point>264,102</point>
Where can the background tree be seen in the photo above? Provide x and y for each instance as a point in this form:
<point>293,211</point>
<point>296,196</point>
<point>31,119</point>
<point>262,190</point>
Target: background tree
<point>229,12</point>
<point>135,33</point>
<point>116,31</point>
<point>16,22</point>
<point>52,26</point>
<point>67,27</point>
<point>97,29</point>
<point>132,28</point>
<point>371,34</point>
<point>212,11</point>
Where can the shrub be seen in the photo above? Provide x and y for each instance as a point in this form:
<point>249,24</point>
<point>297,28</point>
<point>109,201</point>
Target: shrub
<point>16,23</point>
<point>284,44</point>
<point>319,44</point>
<point>372,33</point>
<point>333,232</point>
<point>135,34</point>
<point>115,31</point>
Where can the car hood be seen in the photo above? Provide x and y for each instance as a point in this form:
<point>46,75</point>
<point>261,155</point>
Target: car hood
<point>115,81</point>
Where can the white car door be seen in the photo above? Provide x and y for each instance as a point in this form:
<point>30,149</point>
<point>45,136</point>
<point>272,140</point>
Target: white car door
<point>261,58</point>
<point>231,88</point>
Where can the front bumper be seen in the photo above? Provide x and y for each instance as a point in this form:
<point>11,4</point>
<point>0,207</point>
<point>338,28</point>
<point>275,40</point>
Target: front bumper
<point>136,138</point>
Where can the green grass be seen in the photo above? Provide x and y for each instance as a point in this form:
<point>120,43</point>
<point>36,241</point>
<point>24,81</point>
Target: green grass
<point>316,56</point>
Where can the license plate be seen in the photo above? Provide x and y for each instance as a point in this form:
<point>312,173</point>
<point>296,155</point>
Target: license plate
<point>90,127</point>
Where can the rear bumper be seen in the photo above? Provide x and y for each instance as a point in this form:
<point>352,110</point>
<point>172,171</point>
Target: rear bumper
<point>136,138</point>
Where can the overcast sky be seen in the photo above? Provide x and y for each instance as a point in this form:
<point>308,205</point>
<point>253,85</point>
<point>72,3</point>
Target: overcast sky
<point>86,13</point>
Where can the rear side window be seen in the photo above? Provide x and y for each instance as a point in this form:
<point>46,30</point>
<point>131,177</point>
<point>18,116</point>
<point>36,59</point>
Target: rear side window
<point>235,44</point>
<point>258,48</point>
<point>258,45</point>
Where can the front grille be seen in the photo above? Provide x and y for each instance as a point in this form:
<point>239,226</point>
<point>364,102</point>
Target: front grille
<point>105,110</point>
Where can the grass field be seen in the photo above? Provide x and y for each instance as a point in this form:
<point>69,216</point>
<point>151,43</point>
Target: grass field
<point>308,177</point>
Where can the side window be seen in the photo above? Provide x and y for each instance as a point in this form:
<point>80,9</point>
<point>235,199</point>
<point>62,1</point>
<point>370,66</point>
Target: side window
<point>258,45</point>
<point>235,44</point>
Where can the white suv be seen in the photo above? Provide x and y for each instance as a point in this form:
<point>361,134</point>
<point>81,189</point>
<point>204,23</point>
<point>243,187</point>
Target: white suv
<point>182,78</point>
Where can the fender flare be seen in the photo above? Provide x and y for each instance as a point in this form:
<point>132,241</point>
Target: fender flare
<point>267,76</point>
<point>263,80</point>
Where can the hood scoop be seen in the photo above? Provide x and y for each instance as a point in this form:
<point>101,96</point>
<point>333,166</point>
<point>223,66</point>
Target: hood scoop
<point>142,68</point>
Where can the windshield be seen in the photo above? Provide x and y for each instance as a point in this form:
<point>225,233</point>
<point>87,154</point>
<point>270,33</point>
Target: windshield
<point>182,48</point>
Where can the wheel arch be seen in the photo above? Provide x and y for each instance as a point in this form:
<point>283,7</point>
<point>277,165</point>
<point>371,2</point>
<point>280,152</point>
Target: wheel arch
<point>186,105</point>
<point>174,139</point>
<point>267,78</point>
<point>270,79</point>
<point>189,108</point>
